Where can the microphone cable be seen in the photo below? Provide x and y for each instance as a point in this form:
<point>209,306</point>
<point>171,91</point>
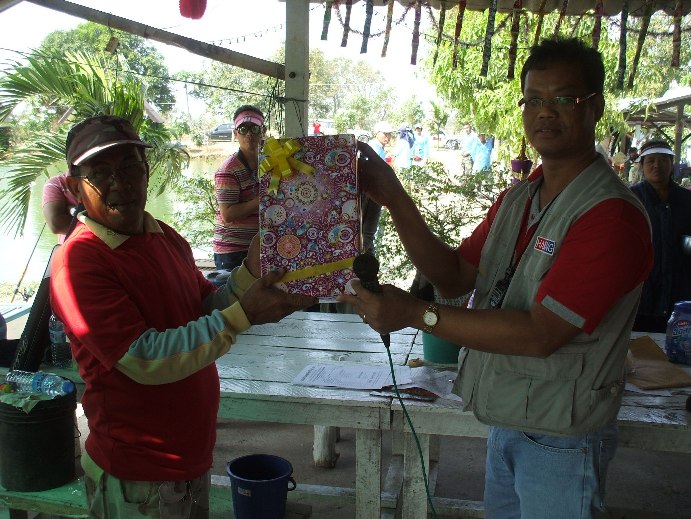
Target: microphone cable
<point>366,268</point>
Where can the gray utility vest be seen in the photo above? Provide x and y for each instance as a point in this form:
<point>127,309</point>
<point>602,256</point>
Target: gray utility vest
<point>578,388</point>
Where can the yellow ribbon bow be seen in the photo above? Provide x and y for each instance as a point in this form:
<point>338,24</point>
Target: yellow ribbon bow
<point>280,162</point>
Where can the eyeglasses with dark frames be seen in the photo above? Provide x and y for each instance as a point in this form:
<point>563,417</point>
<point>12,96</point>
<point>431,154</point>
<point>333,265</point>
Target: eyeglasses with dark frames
<point>250,128</point>
<point>103,176</point>
<point>562,103</point>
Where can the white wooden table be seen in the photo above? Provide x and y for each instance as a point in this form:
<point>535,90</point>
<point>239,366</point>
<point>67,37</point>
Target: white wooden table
<point>12,311</point>
<point>658,423</point>
<point>256,384</point>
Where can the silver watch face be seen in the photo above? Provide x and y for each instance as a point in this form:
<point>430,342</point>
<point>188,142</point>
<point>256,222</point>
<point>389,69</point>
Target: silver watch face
<point>430,318</point>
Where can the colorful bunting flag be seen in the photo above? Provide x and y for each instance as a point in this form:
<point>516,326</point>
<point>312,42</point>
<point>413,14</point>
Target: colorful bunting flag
<point>622,44</point>
<point>387,32</point>
<point>457,32</point>
<point>346,24</point>
<point>645,23</point>
<point>676,34</point>
<point>540,18</point>
<point>516,18</point>
<point>440,32</point>
<point>416,32</point>
<point>597,29</point>
<point>562,14</point>
<point>327,18</point>
<point>369,10</point>
<point>489,32</point>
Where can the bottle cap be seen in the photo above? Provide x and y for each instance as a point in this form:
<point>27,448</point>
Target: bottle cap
<point>68,387</point>
<point>682,306</point>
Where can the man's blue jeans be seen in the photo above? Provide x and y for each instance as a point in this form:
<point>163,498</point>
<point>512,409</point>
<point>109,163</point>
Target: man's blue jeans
<point>537,476</point>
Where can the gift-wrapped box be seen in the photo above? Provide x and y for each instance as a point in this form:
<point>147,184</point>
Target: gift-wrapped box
<point>309,213</point>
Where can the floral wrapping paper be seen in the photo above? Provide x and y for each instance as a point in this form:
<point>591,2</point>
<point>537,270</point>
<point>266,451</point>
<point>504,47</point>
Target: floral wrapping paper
<point>311,225</point>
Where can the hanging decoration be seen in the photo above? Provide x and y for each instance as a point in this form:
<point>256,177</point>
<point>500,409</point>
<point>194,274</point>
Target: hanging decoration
<point>369,11</point>
<point>597,29</point>
<point>562,14</point>
<point>489,32</point>
<point>457,32</point>
<point>622,44</point>
<point>540,18</point>
<point>346,25</point>
<point>516,18</point>
<point>645,23</point>
<point>416,32</point>
<point>327,19</point>
<point>676,33</point>
<point>521,164</point>
<point>440,32</point>
<point>192,8</point>
<point>387,31</point>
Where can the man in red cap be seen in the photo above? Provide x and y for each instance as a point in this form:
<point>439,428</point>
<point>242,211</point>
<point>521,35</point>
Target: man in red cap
<point>145,328</point>
<point>236,184</point>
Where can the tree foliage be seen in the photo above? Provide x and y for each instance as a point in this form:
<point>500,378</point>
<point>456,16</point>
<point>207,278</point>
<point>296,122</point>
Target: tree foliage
<point>86,86</point>
<point>352,93</point>
<point>489,102</point>
<point>450,205</point>
<point>140,57</point>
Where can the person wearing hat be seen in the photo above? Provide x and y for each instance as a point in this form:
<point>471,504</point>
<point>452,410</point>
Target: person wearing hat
<point>145,328</point>
<point>236,184</point>
<point>403,151</point>
<point>420,146</point>
<point>669,208</point>
<point>382,137</point>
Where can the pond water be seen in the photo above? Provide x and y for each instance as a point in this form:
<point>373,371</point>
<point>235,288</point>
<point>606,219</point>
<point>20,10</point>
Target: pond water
<point>16,252</point>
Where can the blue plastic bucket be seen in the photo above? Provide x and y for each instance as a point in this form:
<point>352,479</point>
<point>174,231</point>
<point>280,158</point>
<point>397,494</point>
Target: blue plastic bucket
<point>260,485</point>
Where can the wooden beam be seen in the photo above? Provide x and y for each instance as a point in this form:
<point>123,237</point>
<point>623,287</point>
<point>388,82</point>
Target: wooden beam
<point>237,59</point>
<point>6,4</point>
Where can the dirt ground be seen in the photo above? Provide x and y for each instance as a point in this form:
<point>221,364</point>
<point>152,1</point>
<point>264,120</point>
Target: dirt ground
<point>638,480</point>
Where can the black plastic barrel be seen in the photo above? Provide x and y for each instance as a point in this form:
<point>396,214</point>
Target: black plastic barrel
<point>37,448</point>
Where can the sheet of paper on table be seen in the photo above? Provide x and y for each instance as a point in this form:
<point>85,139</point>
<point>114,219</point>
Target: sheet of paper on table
<point>433,380</point>
<point>351,376</point>
<point>356,376</point>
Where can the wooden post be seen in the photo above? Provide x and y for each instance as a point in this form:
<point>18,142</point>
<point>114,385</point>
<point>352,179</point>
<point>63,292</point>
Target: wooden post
<point>297,67</point>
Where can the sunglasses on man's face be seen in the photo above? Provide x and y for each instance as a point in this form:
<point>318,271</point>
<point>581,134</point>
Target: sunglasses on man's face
<point>253,129</point>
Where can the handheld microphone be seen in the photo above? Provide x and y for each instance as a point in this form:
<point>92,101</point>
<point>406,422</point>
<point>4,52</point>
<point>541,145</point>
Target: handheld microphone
<point>366,268</point>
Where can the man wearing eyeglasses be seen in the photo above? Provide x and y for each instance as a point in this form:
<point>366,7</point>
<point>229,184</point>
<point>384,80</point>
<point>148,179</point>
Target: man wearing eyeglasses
<point>236,184</point>
<point>557,267</point>
<point>145,328</point>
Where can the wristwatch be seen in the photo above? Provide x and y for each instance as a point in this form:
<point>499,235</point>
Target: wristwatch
<point>430,317</point>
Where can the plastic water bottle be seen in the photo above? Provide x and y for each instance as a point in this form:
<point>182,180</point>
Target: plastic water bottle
<point>60,352</point>
<point>678,340</point>
<point>39,382</point>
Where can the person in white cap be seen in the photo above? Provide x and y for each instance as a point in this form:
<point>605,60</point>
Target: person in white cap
<point>236,184</point>
<point>420,146</point>
<point>669,208</point>
<point>382,137</point>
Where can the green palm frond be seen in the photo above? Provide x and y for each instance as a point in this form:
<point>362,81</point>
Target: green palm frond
<point>87,84</point>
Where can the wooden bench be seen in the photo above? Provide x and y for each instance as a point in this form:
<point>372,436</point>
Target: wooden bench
<point>70,501</point>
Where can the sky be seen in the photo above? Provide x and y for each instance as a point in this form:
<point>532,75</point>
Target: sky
<point>253,27</point>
